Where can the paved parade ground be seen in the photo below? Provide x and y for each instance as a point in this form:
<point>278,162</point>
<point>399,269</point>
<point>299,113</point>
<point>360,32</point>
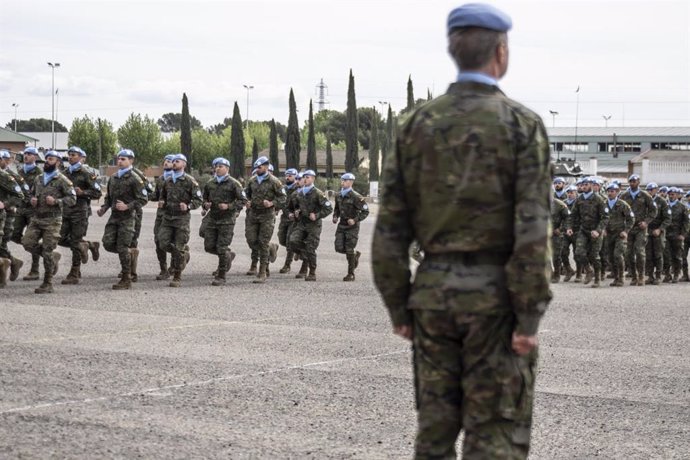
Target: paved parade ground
<point>292,369</point>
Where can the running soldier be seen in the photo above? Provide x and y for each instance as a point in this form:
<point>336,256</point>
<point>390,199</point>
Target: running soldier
<point>285,227</point>
<point>569,240</point>
<point>675,233</point>
<point>350,210</point>
<point>560,223</point>
<point>10,194</point>
<point>29,171</point>
<point>11,207</point>
<point>645,210</point>
<point>161,255</point>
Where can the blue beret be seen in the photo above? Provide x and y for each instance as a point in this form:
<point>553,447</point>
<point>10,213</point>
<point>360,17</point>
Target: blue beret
<point>5,154</point>
<point>558,179</point>
<point>260,161</point>
<point>270,167</point>
<point>127,153</point>
<point>169,157</point>
<point>634,177</point>
<point>52,153</point>
<point>291,172</point>
<point>673,190</point>
<point>663,189</point>
<point>652,186</point>
<point>612,186</point>
<point>479,15</point>
<point>78,150</point>
<point>31,150</point>
<point>347,176</point>
<point>181,157</point>
<point>309,172</point>
<point>571,188</point>
<point>221,161</point>
<point>616,181</point>
<point>298,176</point>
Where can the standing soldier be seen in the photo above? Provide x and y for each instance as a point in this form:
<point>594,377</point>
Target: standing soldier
<point>10,194</point>
<point>180,195</point>
<point>657,236</point>
<point>291,186</point>
<point>311,207</point>
<point>11,207</point>
<point>645,211</point>
<point>590,215</point>
<point>222,196</point>
<point>621,220</point>
<point>75,219</point>
<point>161,255</point>
<point>29,171</point>
<point>50,193</point>
<point>476,197</point>
<point>676,231</point>
<point>265,194</point>
<point>126,193</point>
<point>569,240</point>
<point>560,223</point>
<point>351,209</point>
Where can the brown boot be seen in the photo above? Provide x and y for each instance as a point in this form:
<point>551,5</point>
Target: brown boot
<point>84,252</point>
<point>72,276</point>
<point>4,268</point>
<point>569,273</point>
<point>219,280</point>
<point>95,248</point>
<point>164,274</point>
<point>286,268</point>
<point>133,261</point>
<point>589,274</point>
<point>596,283</point>
<point>124,283</point>
<point>177,279</point>
<point>56,262</point>
<point>252,269</point>
<point>231,257</point>
<point>312,274</point>
<point>685,277</point>
<point>303,270</point>
<point>47,286</point>
<point>15,266</point>
<point>261,278</point>
<point>350,268</point>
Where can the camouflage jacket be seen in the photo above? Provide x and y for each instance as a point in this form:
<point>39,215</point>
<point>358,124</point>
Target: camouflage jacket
<point>85,179</point>
<point>621,218</point>
<point>270,189</point>
<point>314,201</point>
<point>643,206</point>
<point>350,206</point>
<point>470,173</point>
<point>147,185</point>
<point>11,193</point>
<point>680,222</point>
<point>663,215</point>
<point>590,213</point>
<point>289,195</point>
<point>560,217</point>
<point>129,189</point>
<point>58,187</point>
<point>29,179</point>
<point>184,189</point>
<point>156,194</point>
<point>563,195</point>
<point>228,191</point>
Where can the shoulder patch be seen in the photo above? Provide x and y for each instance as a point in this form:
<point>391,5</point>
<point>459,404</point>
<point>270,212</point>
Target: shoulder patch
<point>17,189</point>
<point>327,204</point>
<point>366,207</point>
<point>606,210</point>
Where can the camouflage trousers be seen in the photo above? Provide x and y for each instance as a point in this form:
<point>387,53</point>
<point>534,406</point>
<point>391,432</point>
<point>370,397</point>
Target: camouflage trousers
<point>21,222</point>
<point>557,244</point>
<point>469,379</point>
<point>41,238</point>
<point>72,233</point>
<point>173,237</point>
<point>204,223</point>
<point>654,256</point>
<point>346,238</point>
<point>258,232</point>
<point>615,253</point>
<point>587,250</point>
<point>568,242</point>
<point>161,255</point>
<point>217,240</point>
<point>117,238</point>
<point>304,240</point>
<point>138,216</point>
<point>637,247</point>
<point>675,250</point>
<point>686,250</point>
<point>6,235</point>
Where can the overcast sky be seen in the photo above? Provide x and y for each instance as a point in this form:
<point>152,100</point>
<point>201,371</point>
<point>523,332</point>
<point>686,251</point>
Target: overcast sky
<point>630,59</point>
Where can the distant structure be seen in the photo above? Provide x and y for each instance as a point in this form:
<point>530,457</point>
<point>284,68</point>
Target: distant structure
<point>321,101</point>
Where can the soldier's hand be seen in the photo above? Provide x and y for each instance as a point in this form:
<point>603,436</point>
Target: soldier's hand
<point>569,232</point>
<point>50,200</point>
<point>523,344</point>
<point>161,204</point>
<point>405,331</point>
<point>207,205</point>
<point>268,204</point>
<point>681,237</point>
<point>656,232</point>
<point>184,207</point>
<point>100,212</point>
<point>350,222</point>
<point>643,225</point>
<point>335,220</point>
<point>249,204</point>
<point>595,234</point>
<point>312,216</point>
<point>121,206</point>
<point>556,231</point>
<point>2,205</point>
<point>223,206</point>
<point>624,235</point>
<point>78,191</point>
<point>34,201</point>
<point>291,216</point>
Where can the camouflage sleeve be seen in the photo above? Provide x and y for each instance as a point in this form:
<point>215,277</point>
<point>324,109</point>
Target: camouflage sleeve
<point>325,206</point>
<point>603,216</point>
<point>139,192</point>
<point>652,208</point>
<point>665,216</point>
<point>575,216</point>
<point>565,219</point>
<point>685,227</point>
<point>629,219</point>
<point>108,200</point>
<point>195,200</point>
<point>280,196</point>
<point>336,208</point>
<point>362,209</point>
<point>393,235</point>
<point>69,197</point>
<point>240,197</point>
<point>528,266</point>
<point>94,190</point>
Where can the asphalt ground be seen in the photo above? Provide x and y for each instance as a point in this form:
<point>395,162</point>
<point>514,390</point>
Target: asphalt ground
<point>292,369</point>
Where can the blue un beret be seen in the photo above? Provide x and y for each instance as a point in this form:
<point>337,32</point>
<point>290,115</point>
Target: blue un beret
<point>634,177</point>
<point>127,153</point>
<point>221,161</point>
<point>652,186</point>
<point>612,186</point>
<point>52,153</point>
<point>181,157</point>
<point>31,150</point>
<point>663,189</point>
<point>261,161</point>
<point>309,172</point>
<point>291,172</point>
<point>78,150</point>
<point>479,15</point>
<point>5,154</point>
<point>347,176</point>
<point>558,180</point>
<point>169,157</point>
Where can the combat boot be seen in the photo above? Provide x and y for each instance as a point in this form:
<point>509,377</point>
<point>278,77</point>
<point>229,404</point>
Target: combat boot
<point>261,278</point>
<point>589,274</point>
<point>177,279</point>
<point>124,283</point>
<point>72,276</point>
<point>350,268</point>
<point>56,262</point>
<point>252,269</point>
<point>133,261</point>
<point>303,270</point>
<point>286,267</point>
<point>597,276</point>
<point>685,277</point>
<point>667,276</point>
<point>164,274</point>
<point>268,271</point>
<point>4,268</point>
<point>84,252</point>
<point>640,280</point>
<point>555,276</point>
<point>15,266</point>
<point>272,252</point>
<point>231,257</point>
<point>569,273</point>
<point>33,271</point>
<point>186,257</point>
<point>357,254</point>
<point>676,275</point>
<point>219,280</point>
<point>578,275</point>
<point>312,274</point>
<point>615,278</point>
<point>47,286</point>
<point>95,248</point>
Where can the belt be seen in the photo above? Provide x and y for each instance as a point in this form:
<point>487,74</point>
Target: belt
<point>470,258</point>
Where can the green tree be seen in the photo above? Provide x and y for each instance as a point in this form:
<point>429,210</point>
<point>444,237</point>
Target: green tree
<point>141,135</point>
<point>186,133</point>
<point>259,130</point>
<point>172,122</point>
<point>389,135</point>
<point>374,149</point>
<point>331,123</point>
<point>36,125</point>
<point>351,131</point>
<point>83,133</point>
<point>237,144</point>
<point>107,142</point>
<point>255,151</point>
<point>311,140</point>
<point>218,128</point>
<point>273,149</point>
<point>429,96</point>
<point>292,139</point>
<point>171,144</point>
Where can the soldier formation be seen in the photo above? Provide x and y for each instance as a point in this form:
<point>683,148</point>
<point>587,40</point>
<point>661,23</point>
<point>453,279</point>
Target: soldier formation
<point>42,207</point>
<point>642,232</point>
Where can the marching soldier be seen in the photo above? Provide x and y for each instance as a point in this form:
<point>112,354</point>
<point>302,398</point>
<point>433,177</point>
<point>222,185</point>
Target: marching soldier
<point>560,223</point>
<point>621,220</point>
<point>285,227</point>
<point>10,194</point>
<point>569,240</point>
<point>645,210</point>
<point>161,254</point>
<point>559,188</point>
<point>12,204</point>
<point>350,210</point>
<point>656,242</point>
<point>675,233</point>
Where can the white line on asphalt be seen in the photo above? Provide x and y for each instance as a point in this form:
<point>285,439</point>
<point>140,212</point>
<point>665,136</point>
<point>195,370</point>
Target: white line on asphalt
<point>157,391</point>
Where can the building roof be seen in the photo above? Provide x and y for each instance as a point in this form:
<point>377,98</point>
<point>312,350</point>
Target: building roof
<point>42,139</point>
<point>7,135</point>
<point>663,155</point>
<point>621,131</point>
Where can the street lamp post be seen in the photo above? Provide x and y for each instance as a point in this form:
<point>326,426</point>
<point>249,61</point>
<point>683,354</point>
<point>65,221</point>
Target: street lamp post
<point>52,110</point>
<point>382,103</point>
<point>553,118</point>
<point>248,88</point>
<point>15,105</point>
<point>606,120</point>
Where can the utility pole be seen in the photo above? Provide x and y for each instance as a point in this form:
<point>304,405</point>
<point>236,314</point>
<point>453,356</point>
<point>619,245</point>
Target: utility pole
<point>52,91</point>
<point>321,101</point>
<point>606,120</point>
<point>15,105</point>
<point>248,88</point>
<point>553,117</point>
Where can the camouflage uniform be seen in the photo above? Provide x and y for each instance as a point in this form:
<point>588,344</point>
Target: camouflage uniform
<point>43,233</point>
<point>220,224</point>
<point>655,244</point>
<point>75,219</point>
<point>590,214</point>
<point>679,227</point>
<point>306,234</point>
<point>568,242</point>
<point>24,214</point>
<point>621,219</point>
<point>12,204</point>
<point>173,234</point>
<point>351,206</point>
<point>161,255</point>
<point>286,225</point>
<point>260,220</point>
<point>470,180</point>
<point>139,213</point>
<point>645,210</point>
<point>10,193</point>
<point>560,223</point>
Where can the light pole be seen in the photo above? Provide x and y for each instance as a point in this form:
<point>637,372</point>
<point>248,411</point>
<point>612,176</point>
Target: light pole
<point>52,110</point>
<point>382,103</point>
<point>57,105</point>
<point>15,105</point>
<point>577,117</point>
<point>553,117</point>
<point>606,120</point>
<point>248,88</point>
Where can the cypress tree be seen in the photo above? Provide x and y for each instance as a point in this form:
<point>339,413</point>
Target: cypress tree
<point>351,129</point>
<point>374,148</point>
<point>273,148</point>
<point>255,151</point>
<point>311,141</point>
<point>186,132</point>
<point>390,135</point>
<point>237,145</point>
<point>429,96</point>
<point>292,141</point>
<point>410,95</point>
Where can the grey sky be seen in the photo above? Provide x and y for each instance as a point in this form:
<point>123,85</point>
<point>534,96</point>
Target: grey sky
<point>630,59</point>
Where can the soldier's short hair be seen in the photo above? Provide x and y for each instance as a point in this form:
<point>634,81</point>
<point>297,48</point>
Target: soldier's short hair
<point>473,47</point>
